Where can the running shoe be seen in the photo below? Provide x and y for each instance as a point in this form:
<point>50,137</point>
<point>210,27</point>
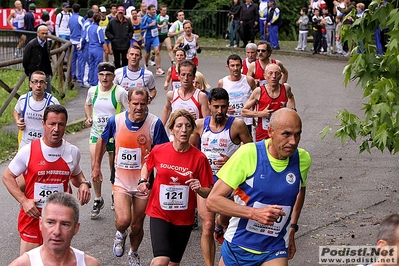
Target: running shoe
<point>119,244</point>
<point>97,206</point>
<point>134,258</point>
<point>151,63</point>
<point>160,71</point>
<point>219,235</point>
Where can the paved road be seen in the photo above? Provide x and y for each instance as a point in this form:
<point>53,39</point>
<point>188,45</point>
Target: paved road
<point>347,193</point>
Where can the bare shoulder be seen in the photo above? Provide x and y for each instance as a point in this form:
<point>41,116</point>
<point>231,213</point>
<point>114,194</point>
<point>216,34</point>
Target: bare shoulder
<point>169,95</point>
<point>23,260</point>
<point>91,261</point>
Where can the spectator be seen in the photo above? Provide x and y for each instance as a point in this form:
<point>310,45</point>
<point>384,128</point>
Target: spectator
<point>338,44</point>
<point>31,21</point>
<point>96,44</point>
<point>75,25</point>
<point>128,3</point>
<point>234,15</point>
<point>248,21</point>
<point>103,24</point>
<point>84,46</point>
<point>303,23</point>
<point>263,29</point>
<point>119,31</point>
<point>329,25</point>
<point>62,22</point>
<point>37,56</point>
<point>273,22</point>
<point>316,24</point>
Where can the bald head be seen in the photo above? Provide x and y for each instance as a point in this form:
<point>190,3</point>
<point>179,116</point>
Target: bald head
<point>42,33</point>
<point>285,115</point>
<point>285,130</point>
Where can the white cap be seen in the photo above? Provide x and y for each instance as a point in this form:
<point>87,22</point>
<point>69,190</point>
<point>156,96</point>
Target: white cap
<point>103,9</point>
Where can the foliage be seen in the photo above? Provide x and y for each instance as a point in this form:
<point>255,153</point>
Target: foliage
<point>377,76</point>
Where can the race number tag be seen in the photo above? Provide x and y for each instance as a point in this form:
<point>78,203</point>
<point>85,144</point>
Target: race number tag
<point>154,32</point>
<point>129,158</point>
<point>173,197</point>
<point>137,36</point>
<point>33,134</point>
<point>176,84</point>
<point>265,123</point>
<point>101,121</point>
<point>268,230</point>
<point>42,191</point>
<point>164,29</point>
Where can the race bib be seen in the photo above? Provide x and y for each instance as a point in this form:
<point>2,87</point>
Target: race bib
<point>176,84</point>
<point>42,191</point>
<point>129,158</point>
<point>20,24</point>
<point>237,106</point>
<point>33,134</point>
<point>101,121</point>
<point>173,197</point>
<point>154,32</point>
<point>164,29</point>
<point>268,230</point>
<point>265,123</point>
<point>137,36</point>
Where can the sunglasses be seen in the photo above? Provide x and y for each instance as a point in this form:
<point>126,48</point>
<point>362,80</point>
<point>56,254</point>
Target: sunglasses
<point>261,50</point>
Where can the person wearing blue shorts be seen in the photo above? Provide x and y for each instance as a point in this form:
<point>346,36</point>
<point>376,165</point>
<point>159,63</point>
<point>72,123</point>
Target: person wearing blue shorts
<point>150,27</point>
<point>269,183</point>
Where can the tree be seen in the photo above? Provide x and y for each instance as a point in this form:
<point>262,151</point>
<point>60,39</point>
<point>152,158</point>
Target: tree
<point>377,75</point>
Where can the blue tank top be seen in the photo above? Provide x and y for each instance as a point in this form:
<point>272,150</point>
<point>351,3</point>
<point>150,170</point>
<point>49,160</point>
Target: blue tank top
<point>267,187</point>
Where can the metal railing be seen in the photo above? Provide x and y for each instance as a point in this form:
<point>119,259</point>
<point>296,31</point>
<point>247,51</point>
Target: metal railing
<point>8,59</point>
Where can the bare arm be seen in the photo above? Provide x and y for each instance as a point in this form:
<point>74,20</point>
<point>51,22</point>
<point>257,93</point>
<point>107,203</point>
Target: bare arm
<point>83,188</point>
<point>296,211</point>
<point>290,96</point>
<point>284,71</point>
<point>9,18</point>
<point>253,99</point>
<point>251,82</point>
<point>167,108</point>
<point>203,101</point>
<point>96,174</point>
<point>168,78</point>
<point>196,136</point>
<point>251,70</point>
<point>22,260</point>
<point>88,113</point>
<point>179,41</point>
<point>91,261</point>
<point>218,202</point>
<point>29,205</point>
<point>19,120</point>
<point>240,129</point>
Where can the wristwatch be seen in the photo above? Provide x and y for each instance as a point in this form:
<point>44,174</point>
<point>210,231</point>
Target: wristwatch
<point>142,180</point>
<point>295,226</point>
<point>86,182</point>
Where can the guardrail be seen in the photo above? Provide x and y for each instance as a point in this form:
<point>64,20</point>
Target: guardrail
<point>60,47</point>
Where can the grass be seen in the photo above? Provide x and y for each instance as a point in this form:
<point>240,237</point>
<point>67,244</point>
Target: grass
<point>9,141</point>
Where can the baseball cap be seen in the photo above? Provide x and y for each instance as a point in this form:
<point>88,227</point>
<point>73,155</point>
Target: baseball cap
<point>32,6</point>
<point>121,9</point>
<point>102,9</point>
<point>65,5</point>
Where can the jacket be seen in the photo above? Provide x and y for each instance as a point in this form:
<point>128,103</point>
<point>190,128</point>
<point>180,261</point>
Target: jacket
<point>32,59</point>
<point>119,33</point>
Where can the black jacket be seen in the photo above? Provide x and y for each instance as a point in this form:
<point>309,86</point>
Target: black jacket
<point>33,59</point>
<point>235,10</point>
<point>249,14</point>
<point>119,33</point>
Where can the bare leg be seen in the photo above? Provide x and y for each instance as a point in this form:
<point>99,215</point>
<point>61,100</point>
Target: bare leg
<point>136,226</point>
<point>208,225</point>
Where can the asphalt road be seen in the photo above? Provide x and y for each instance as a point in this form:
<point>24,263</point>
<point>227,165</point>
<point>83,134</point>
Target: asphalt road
<point>347,193</point>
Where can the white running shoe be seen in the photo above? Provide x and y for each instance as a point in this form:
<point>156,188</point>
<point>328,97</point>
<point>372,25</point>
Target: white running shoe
<point>119,244</point>
<point>134,259</point>
<point>159,71</point>
<point>151,63</point>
